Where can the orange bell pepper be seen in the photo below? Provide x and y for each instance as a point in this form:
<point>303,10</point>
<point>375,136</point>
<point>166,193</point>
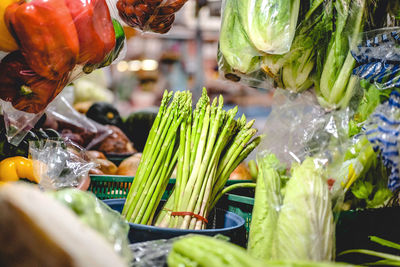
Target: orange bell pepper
<point>7,41</point>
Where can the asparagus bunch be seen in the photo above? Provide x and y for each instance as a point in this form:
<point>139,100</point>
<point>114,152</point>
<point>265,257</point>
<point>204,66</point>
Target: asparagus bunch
<point>211,145</point>
<point>158,160</point>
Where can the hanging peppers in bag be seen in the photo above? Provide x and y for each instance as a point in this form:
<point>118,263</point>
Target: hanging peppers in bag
<point>94,27</point>
<point>26,90</point>
<point>153,15</point>
<point>7,41</point>
<point>113,55</point>
<point>46,34</point>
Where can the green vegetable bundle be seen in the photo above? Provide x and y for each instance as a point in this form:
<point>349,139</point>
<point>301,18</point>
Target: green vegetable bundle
<point>212,145</point>
<point>292,217</point>
<point>206,145</point>
<point>158,160</point>
<point>301,44</point>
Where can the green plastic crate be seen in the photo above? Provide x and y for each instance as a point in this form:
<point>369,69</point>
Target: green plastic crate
<point>117,186</point>
<point>111,187</point>
<point>240,205</point>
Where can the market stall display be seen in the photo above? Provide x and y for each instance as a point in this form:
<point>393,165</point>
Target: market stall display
<point>326,161</point>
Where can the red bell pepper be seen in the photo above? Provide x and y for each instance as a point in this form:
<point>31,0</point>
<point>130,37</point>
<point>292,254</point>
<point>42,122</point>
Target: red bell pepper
<point>95,29</point>
<point>26,90</point>
<point>46,34</point>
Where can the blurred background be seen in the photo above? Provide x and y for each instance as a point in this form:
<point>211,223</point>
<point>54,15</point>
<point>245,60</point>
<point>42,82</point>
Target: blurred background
<point>185,58</point>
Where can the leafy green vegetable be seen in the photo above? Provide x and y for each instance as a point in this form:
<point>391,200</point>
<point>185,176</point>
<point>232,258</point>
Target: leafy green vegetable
<point>371,99</point>
<point>388,259</point>
<point>234,45</point>
<point>336,86</point>
<point>305,228</point>
<point>312,32</point>
<point>292,218</point>
<point>265,212</point>
<point>270,24</point>
<point>371,189</point>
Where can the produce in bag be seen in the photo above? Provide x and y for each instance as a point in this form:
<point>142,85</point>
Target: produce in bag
<point>46,233</point>
<point>7,41</point>
<point>234,43</point>
<point>378,58</point>
<point>320,53</point>
<point>313,31</point>
<point>293,210</point>
<point>53,49</point>
<point>26,90</point>
<point>382,131</point>
<point>73,125</point>
<point>100,217</point>
<point>335,84</point>
<point>57,165</point>
<point>270,24</point>
<point>48,40</point>
<point>149,15</point>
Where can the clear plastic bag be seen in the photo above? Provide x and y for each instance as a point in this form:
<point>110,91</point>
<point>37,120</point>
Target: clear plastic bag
<point>311,48</point>
<point>151,253</point>
<point>378,57</point>
<point>55,42</point>
<point>293,211</point>
<point>270,24</point>
<point>155,15</point>
<point>88,131</point>
<point>383,130</point>
<point>98,216</point>
<point>57,165</point>
<point>268,44</point>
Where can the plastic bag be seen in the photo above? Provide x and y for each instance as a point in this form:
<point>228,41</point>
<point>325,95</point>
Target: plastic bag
<point>156,15</point>
<point>314,54</point>
<point>378,58</point>
<point>76,126</point>
<point>57,165</point>
<point>51,50</point>
<point>151,253</point>
<point>383,130</point>
<point>293,211</point>
<point>270,24</point>
<point>98,216</point>
<point>291,56</point>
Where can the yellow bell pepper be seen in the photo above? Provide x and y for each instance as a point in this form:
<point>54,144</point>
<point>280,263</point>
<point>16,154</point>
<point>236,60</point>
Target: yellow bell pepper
<point>12,169</point>
<point>7,41</point>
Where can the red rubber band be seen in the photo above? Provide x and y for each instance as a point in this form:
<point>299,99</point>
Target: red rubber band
<point>187,213</point>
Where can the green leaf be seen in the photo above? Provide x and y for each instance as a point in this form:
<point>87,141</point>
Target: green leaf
<point>379,198</point>
<point>384,242</point>
<point>384,263</point>
<point>362,190</point>
<point>372,253</point>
